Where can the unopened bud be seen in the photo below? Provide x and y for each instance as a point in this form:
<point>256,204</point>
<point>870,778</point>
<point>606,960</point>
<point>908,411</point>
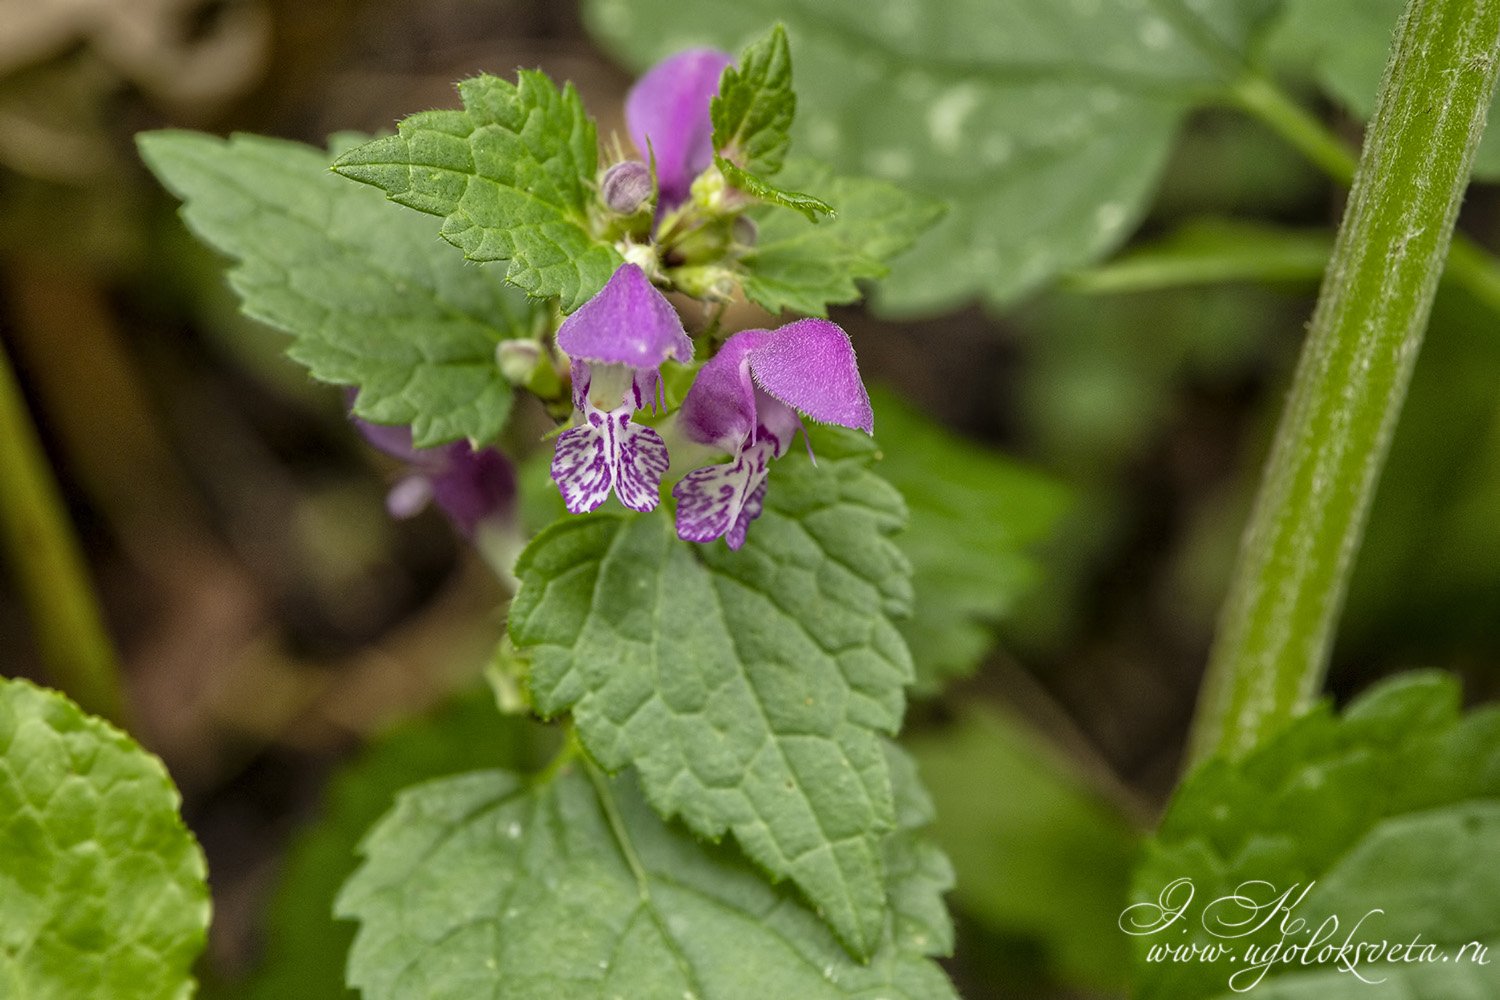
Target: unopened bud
<point>517,359</point>
<point>626,187</point>
<point>711,282</point>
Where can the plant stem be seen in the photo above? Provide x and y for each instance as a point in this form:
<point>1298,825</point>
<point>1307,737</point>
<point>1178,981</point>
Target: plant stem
<point>1303,131</point>
<point>1288,586</point>
<point>1469,264</point>
<point>48,565</point>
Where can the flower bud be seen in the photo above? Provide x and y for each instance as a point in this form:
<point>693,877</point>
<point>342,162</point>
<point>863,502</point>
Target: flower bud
<point>517,359</point>
<point>626,187</point>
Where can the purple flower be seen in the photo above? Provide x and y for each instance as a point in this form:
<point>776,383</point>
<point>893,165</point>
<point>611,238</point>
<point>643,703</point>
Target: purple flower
<point>746,402</point>
<point>666,113</point>
<point>471,487</point>
<point>617,340</point>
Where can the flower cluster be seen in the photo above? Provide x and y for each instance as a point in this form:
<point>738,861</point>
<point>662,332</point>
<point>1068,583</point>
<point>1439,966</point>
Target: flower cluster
<point>747,401</point>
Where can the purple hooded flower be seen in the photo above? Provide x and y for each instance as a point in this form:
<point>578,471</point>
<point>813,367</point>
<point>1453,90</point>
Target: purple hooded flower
<point>469,486</point>
<point>618,340</point>
<point>666,113</point>
<point>746,402</point>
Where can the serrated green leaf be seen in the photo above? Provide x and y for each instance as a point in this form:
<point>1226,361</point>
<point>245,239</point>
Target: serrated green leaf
<point>765,191</point>
<point>750,688</point>
<point>974,519</point>
<point>102,892</point>
<point>1043,855</point>
<point>305,947</point>
<point>584,893</point>
<point>807,268</point>
<point>1345,45</point>
<point>1044,122</point>
<point>917,872</point>
<point>369,297</point>
<point>512,176</point>
<point>1393,807</point>
<point>753,110</point>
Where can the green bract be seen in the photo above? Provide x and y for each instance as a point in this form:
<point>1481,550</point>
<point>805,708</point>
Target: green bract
<point>102,893</point>
<point>1044,122</point>
<point>370,298</point>
<point>752,118</point>
<point>750,688</point>
<point>487,884</point>
<point>511,175</point>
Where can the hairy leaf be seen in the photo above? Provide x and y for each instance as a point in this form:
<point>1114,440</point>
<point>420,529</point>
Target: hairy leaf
<point>750,688</point>
<point>488,885</point>
<point>102,892</point>
<point>753,111</point>
<point>512,176</point>
<point>1391,813</point>
<point>974,517</point>
<point>369,297</point>
<point>1044,122</point>
<point>306,948</point>
<point>765,191</point>
<point>806,268</point>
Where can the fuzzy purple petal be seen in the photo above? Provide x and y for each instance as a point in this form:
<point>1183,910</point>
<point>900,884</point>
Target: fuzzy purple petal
<point>666,113</point>
<point>720,407</point>
<point>628,323</point>
<point>474,486</point>
<point>809,365</point>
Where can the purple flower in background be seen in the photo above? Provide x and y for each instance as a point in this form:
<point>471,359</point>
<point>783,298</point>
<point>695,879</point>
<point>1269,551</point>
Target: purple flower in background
<point>469,486</point>
<point>667,113</point>
<point>618,340</point>
<point>746,402</point>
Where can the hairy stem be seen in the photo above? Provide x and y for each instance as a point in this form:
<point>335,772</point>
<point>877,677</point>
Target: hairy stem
<point>48,566</point>
<point>1469,264</point>
<point>1276,628</point>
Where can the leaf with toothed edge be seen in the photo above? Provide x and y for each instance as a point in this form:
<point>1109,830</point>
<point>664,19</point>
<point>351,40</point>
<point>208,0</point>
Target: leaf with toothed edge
<point>749,688</point>
<point>806,268</point>
<point>369,297</point>
<point>771,194</point>
<point>587,894</point>
<point>1388,811</point>
<point>512,175</point>
<point>753,111</point>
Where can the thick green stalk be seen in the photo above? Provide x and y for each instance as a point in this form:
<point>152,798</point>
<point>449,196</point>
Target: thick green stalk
<point>48,566</point>
<point>1469,264</point>
<point>1277,625</point>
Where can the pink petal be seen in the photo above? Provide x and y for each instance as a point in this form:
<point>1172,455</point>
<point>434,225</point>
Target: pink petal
<point>667,114</point>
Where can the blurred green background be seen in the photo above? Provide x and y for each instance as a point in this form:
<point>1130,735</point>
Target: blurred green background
<point>273,621</point>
